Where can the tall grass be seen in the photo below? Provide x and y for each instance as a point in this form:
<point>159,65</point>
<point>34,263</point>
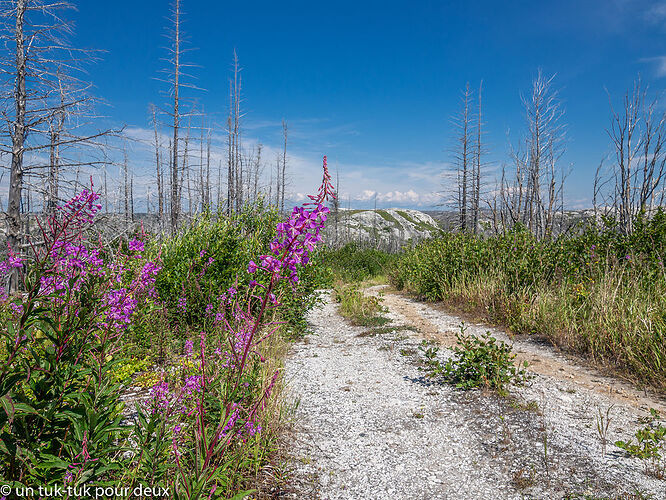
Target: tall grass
<point>599,293</point>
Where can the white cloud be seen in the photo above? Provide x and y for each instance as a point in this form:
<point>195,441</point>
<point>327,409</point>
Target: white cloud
<point>659,64</point>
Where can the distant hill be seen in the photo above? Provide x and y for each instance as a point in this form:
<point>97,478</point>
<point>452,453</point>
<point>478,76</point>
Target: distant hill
<point>392,227</point>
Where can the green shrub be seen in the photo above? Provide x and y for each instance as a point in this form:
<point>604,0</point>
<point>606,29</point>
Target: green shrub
<point>477,362</point>
<point>210,258</point>
<point>353,262</point>
<point>650,445</point>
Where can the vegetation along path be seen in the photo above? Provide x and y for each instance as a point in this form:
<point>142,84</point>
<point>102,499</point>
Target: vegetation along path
<point>370,424</point>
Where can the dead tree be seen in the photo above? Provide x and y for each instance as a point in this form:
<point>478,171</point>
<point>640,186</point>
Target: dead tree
<point>257,171</point>
<point>158,168</point>
<point>56,125</point>
<point>463,158</point>
<point>278,177</point>
<point>176,52</point>
<point>234,147</point>
<point>207,200</point>
<point>178,79</point>
<point>126,187</point>
<point>638,133</point>
<point>530,199</point>
<point>284,164</point>
<point>478,153</point>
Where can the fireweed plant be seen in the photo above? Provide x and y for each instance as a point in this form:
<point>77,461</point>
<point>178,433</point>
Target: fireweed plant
<point>210,417</point>
<point>63,421</point>
<point>62,418</point>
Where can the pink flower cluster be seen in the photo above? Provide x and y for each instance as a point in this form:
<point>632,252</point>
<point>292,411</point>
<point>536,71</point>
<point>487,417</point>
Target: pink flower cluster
<point>297,237</point>
<point>81,209</point>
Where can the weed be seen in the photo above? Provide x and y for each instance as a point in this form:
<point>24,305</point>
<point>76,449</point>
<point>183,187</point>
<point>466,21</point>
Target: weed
<point>478,362</point>
<point>597,292</point>
<point>603,423</point>
<point>650,445</point>
<point>358,308</point>
<point>506,431</point>
<point>528,406</point>
<point>523,478</point>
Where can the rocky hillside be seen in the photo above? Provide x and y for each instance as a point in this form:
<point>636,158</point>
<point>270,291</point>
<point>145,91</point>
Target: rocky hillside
<point>390,226</point>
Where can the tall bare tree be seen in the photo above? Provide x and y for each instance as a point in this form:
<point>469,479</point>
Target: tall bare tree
<point>538,183</point>
<point>235,181</point>
<point>478,153</point>
<point>283,173</point>
<point>463,158</point>
<point>175,52</point>
<point>158,167</point>
<point>638,133</point>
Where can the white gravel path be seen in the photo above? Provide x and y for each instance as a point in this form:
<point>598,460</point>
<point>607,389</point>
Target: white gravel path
<point>369,426</point>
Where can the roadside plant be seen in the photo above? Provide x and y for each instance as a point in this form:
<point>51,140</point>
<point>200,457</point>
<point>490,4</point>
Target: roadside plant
<point>650,446</point>
<point>603,421</point>
<point>68,350</point>
<point>62,414</point>
<point>477,362</point>
<point>208,419</point>
<point>358,308</point>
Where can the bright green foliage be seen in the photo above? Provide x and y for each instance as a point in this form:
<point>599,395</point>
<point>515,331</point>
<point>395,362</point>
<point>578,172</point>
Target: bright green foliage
<point>650,445</point>
<point>232,242</point>
<point>478,362</point>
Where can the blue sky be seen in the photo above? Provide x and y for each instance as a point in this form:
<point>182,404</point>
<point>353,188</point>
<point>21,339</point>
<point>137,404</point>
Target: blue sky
<point>374,85</point>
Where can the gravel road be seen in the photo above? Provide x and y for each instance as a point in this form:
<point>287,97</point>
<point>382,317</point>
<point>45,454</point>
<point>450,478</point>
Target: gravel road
<point>368,425</point>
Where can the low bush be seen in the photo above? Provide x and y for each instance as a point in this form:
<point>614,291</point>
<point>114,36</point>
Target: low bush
<point>650,446</point>
<point>478,362</point>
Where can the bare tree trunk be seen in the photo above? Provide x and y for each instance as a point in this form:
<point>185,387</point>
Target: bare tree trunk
<point>132,197</point>
<point>477,175</point>
<point>175,191</point>
<point>54,166</point>
<point>186,172</point>
<point>284,164</point>
<point>125,184</point>
<point>257,172</point>
<point>464,139</point>
<point>18,133</point>
<point>638,136</point>
<point>158,170</point>
<point>279,187</point>
<point>231,181</point>
<point>237,151</point>
<point>207,199</point>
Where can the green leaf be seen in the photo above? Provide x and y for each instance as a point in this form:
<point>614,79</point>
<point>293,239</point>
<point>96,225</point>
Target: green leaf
<point>8,406</point>
<point>242,494</point>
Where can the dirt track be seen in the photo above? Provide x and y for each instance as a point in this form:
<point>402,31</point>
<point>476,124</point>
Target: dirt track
<point>369,425</point>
